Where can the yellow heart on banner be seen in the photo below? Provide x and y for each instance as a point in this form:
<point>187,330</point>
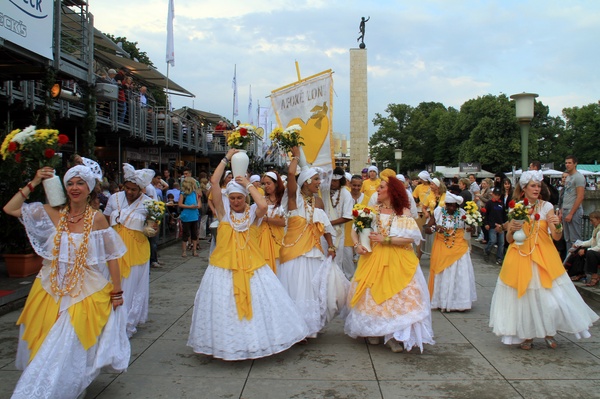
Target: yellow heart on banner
<point>314,132</point>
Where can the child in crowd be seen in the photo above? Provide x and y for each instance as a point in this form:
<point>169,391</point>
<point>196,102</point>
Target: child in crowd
<point>494,218</point>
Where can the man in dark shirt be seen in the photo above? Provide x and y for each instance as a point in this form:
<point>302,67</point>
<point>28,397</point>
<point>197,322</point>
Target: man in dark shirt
<point>494,216</point>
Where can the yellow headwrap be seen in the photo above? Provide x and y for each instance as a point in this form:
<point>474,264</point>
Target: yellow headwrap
<point>386,174</point>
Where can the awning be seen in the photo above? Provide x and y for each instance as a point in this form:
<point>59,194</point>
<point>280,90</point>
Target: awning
<point>207,116</point>
<point>143,73</point>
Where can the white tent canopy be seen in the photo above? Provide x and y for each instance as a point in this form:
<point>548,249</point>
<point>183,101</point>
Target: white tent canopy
<point>450,172</point>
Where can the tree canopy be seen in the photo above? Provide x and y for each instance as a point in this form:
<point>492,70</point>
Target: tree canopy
<point>484,130</point>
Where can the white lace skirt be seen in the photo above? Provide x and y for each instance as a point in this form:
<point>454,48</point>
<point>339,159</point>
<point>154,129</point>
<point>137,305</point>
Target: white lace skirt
<point>406,316</point>
<point>540,312</point>
<point>300,278</point>
<point>136,291</point>
<point>216,329</point>
<point>62,368</point>
<point>454,287</point>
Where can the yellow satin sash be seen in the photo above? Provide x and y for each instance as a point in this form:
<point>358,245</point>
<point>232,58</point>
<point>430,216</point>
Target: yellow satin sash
<point>40,313</point>
<point>516,269</point>
<point>138,249</point>
<point>307,239</point>
<point>348,234</point>
<point>238,252</point>
<point>268,245</point>
<point>386,271</point>
<point>442,256</point>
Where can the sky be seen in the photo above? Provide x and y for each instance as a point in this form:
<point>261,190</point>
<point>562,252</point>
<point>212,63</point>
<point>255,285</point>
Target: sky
<point>418,50</point>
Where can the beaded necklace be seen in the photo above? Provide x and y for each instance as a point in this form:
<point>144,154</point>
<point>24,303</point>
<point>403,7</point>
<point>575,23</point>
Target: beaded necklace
<point>337,200</point>
<point>73,276</point>
<point>117,219</point>
<point>384,230</point>
<point>238,224</point>
<point>454,219</point>
<point>535,225</point>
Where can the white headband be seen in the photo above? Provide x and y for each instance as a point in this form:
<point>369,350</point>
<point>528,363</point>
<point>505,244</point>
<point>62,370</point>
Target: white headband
<point>373,168</point>
<point>527,176</point>
<point>348,176</point>
<point>272,175</point>
<point>254,178</point>
<point>453,199</point>
<point>233,187</point>
<point>401,178</point>
<point>336,177</point>
<point>142,177</point>
<point>83,172</point>
<point>436,181</point>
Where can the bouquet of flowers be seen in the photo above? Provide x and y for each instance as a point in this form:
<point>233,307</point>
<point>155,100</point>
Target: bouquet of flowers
<point>241,136</point>
<point>363,217</point>
<point>472,216</point>
<point>156,212</point>
<point>33,147</point>
<point>288,138</point>
<point>520,210</point>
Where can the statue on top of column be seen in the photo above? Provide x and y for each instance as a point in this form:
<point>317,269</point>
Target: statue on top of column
<point>361,30</point>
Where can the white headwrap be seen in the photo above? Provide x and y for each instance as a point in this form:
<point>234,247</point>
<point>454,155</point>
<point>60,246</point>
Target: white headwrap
<point>526,177</point>
<point>336,177</point>
<point>373,168</point>
<point>348,176</point>
<point>254,178</point>
<point>401,178</point>
<point>306,174</point>
<point>453,199</point>
<point>142,177</point>
<point>424,175</point>
<point>83,172</point>
<point>233,187</point>
<point>93,165</point>
<point>227,172</point>
<point>436,181</point>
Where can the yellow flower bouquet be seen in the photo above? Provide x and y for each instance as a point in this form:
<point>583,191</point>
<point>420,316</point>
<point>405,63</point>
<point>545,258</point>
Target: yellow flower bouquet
<point>241,136</point>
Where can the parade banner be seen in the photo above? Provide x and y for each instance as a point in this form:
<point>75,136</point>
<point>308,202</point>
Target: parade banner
<point>308,103</point>
<point>28,24</point>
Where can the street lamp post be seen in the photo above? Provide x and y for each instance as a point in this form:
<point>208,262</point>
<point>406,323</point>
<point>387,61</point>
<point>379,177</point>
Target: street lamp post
<point>524,105</point>
<point>398,157</point>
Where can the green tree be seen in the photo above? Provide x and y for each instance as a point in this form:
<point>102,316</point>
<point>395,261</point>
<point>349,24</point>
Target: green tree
<point>582,127</point>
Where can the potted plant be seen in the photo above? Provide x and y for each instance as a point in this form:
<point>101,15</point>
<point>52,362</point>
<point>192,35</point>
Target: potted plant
<point>19,164</point>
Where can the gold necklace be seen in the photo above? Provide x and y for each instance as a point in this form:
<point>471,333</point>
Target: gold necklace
<point>72,217</point>
<point>118,218</point>
<point>384,230</point>
<point>73,276</point>
<point>309,208</point>
<point>244,219</point>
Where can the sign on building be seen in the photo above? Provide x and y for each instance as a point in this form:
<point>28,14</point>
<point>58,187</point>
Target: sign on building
<point>28,24</point>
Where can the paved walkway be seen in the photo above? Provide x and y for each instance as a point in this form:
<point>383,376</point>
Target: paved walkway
<point>468,361</point>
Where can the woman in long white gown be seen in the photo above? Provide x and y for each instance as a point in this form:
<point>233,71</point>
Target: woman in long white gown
<point>127,215</point>
<point>72,324</point>
<point>451,276</point>
<point>303,267</point>
<point>534,296</point>
<point>388,295</point>
<point>241,310</point>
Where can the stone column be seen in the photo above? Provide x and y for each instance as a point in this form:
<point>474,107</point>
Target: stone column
<point>359,110</point>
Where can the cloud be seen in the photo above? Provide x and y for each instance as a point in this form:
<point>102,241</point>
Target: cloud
<point>439,51</point>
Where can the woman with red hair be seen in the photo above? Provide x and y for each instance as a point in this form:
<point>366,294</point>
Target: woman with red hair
<point>388,295</point>
<point>270,231</point>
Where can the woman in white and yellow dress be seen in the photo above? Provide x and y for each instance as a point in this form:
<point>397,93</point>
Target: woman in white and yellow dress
<point>270,231</point>
<point>72,324</point>
<point>534,296</point>
<point>435,198</point>
<point>451,276</point>
<point>388,297</point>
<point>303,261</point>
<point>241,310</point>
<point>127,214</point>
